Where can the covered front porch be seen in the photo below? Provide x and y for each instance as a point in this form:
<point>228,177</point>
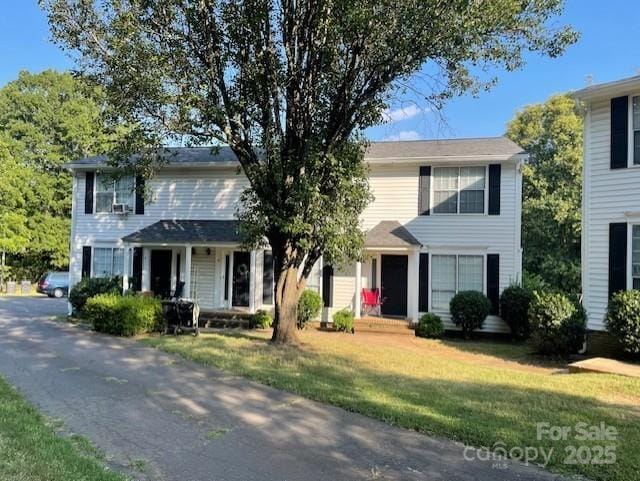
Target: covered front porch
<point>387,281</point>
<point>194,259</point>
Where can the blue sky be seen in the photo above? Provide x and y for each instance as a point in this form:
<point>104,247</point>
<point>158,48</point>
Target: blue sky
<point>606,51</point>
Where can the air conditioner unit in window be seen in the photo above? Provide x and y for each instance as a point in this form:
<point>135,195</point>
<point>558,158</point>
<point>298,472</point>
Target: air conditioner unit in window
<point>121,209</point>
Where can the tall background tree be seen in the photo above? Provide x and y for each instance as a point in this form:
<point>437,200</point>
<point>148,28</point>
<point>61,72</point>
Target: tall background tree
<point>290,86</point>
<point>551,132</point>
<point>46,119</point>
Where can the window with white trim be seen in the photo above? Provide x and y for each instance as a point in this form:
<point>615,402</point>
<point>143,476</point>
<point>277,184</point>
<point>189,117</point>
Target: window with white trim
<point>108,261</point>
<point>109,192</point>
<point>453,273</point>
<point>459,190</point>
<point>635,129</point>
<point>635,256</point>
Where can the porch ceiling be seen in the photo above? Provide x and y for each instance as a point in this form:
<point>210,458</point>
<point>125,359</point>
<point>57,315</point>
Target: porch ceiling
<point>390,233</point>
<point>187,232</point>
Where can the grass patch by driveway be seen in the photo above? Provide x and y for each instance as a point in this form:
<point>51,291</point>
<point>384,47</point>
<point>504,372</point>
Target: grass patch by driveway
<point>31,451</point>
<point>479,393</point>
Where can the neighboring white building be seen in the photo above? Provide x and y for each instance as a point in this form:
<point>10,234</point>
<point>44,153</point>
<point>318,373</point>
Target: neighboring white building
<point>446,217</point>
<point>611,194</point>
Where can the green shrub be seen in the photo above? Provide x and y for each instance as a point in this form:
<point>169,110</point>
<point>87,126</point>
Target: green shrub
<point>309,307</point>
<point>343,320</point>
<point>468,310</point>
<point>430,325</point>
<point>262,320</point>
<point>534,282</point>
<point>623,320</point>
<point>514,309</point>
<point>123,315</point>
<point>89,287</point>
<point>557,322</point>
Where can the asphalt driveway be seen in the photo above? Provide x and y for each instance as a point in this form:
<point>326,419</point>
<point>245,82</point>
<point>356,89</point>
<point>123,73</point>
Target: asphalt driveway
<point>159,417</point>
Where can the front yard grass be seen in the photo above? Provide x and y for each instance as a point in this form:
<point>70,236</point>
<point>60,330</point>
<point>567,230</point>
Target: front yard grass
<point>480,393</point>
<point>30,450</point>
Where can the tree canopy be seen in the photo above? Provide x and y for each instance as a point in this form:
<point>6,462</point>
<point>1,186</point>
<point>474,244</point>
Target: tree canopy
<point>46,119</point>
<point>290,86</point>
<point>551,132</point>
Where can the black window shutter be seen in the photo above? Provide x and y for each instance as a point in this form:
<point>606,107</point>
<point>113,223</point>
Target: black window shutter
<point>86,262</point>
<point>617,257</point>
<point>227,275</point>
<point>88,192</point>
<point>423,284</point>
<point>139,194</point>
<point>494,189</point>
<point>327,285</point>
<point>493,282</point>
<point>619,132</point>
<point>137,269</point>
<point>423,190</point>
<point>267,278</point>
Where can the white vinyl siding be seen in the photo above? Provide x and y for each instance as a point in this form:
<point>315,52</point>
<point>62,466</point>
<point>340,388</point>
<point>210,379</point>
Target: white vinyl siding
<point>609,196</point>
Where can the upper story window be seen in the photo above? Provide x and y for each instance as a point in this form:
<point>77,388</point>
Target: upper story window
<point>459,190</point>
<point>635,128</point>
<point>110,192</point>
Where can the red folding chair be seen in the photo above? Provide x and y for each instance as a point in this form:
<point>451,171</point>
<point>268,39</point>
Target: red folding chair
<point>371,301</point>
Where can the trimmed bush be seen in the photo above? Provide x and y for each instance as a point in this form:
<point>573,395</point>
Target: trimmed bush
<point>262,320</point>
<point>468,310</point>
<point>514,309</point>
<point>623,320</point>
<point>309,306</point>
<point>123,315</point>
<point>90,287</point>
<point>558,323</point>
<point>343,320</point>
<point>430,326</point>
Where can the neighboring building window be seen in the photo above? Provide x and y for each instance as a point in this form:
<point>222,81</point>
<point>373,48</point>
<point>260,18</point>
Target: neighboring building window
<point>458,190</point>
<point>314,279</point>
<point>635,256</point>
<point>636,130</point>
<point>267,278</point>
<point>108,262</point>
<point>109,192</point>
<point>454,273</point>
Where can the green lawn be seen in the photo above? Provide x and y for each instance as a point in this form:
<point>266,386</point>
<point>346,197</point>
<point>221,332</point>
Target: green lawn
<point>30,450</point>
<point>480,393</point>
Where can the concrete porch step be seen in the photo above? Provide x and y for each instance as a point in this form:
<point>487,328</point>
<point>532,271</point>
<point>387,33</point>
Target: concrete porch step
<point>224,319</point>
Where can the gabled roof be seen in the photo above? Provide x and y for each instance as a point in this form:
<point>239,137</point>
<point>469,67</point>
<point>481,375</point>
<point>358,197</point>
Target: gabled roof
<point>608,89</point>
<point>378,152</point>
<point>187,232</point>
<point>390,233</point>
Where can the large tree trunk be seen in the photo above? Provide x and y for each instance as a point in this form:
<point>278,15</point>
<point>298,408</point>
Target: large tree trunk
<point>287,293</point>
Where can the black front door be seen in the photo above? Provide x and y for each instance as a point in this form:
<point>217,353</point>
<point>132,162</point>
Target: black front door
<point>241,273</point>
<point>161,273</point>
<point>394,285</point>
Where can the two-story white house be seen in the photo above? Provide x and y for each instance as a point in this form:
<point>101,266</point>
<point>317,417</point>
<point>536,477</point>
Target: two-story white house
<point>446,218</point>
<point>611,194</point>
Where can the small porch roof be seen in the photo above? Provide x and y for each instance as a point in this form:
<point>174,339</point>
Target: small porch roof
<point>187,232</point>
<point>391,234</point>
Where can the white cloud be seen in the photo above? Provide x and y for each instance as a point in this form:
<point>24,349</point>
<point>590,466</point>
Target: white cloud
<point>404,135</point>
<point>402,113</point>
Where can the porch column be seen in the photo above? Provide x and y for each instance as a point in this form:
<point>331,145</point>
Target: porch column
<point>413,289</point>
<point>356,298</point>
<point>146,269</point>
<point>187,272</point>
<point>252,282</point>
<point>125,269</point>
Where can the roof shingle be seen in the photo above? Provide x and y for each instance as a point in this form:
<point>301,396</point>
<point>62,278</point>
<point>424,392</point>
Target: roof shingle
<point>390,233</point>
<point>187,231</point>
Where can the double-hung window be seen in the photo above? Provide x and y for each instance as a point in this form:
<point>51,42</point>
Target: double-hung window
<point>452,273</point>
<point>110,192</point>
<point>108,261</point>
<point>635,129</point>
<point>459,190</point>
